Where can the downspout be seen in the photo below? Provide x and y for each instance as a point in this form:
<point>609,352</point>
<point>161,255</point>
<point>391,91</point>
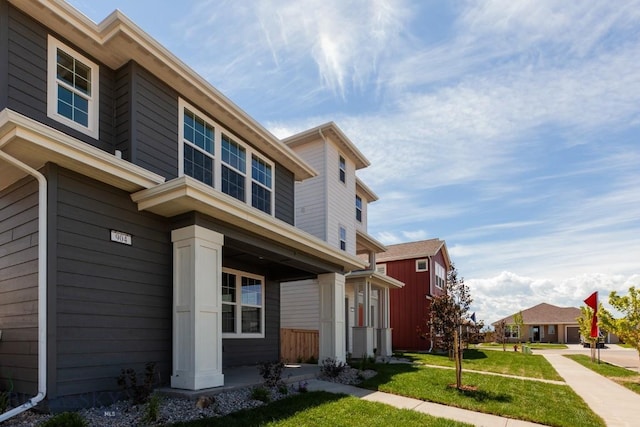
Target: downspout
<point>431,276</point>
<point>326,187</point>
<point>42,287</point>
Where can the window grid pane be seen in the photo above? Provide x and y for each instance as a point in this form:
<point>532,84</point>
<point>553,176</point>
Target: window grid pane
<point>198,165</point>
<point>261,171</point>
<point>198,132</point>
<point>251,291</point>
<point>233,154</point>
<point>260,198</point>
<point>233,183</point>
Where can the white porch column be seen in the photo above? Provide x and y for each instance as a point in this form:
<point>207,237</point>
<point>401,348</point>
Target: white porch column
<point>384,337</point>
<point>197,329</point>
<point>332,334</point>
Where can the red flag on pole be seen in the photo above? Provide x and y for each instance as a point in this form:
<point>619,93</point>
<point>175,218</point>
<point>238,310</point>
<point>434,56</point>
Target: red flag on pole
<point>592,302</point>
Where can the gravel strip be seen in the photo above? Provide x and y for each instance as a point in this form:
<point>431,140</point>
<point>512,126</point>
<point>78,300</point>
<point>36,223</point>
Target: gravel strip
<point>175,409</point>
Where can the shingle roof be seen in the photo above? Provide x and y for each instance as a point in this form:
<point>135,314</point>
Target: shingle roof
<point>544,313</point>
<point>420,249</point>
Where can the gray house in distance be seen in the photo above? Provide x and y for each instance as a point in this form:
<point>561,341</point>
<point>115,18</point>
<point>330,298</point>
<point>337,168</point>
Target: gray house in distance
<point>144,217</point>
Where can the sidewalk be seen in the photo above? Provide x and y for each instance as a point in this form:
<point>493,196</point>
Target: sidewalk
<point>617,405</point>
<point>434,409</point>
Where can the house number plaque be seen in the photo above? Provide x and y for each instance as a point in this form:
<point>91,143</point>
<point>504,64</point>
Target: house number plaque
<point>120,237</point>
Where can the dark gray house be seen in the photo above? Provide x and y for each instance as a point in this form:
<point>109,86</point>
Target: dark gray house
<point>143,216</point>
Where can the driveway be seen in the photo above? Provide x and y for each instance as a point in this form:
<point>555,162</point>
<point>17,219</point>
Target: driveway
<point>614,354</point>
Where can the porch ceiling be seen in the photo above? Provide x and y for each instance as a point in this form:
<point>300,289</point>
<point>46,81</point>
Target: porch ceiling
<point>185,194</point>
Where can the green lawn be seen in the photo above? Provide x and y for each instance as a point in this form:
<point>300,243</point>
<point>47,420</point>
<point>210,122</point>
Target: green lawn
<point>514,398</point>
<point>324,409</point>
<point>626,377</point>
<point>502,362</point>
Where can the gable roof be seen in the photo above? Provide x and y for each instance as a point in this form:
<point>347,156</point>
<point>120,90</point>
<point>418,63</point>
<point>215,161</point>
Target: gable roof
<point>411,250</point>
<point>341,140</point>
<point>544,313</point>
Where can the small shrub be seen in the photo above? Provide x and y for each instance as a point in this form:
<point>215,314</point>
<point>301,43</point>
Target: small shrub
<point>331,367</point>
<point>66,419</point>
<point>271,373</point>
<point>128,382</point>
<point>312,360</point>
<point>152,409</point>
<point>302,387</point>
<point>262,394</point>
<point>5,398</point>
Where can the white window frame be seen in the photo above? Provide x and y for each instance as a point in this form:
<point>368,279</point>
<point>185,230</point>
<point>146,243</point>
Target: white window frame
<point>93,101</point>
<point>441,275</point>
<point>359,208</point>
<point>552,329</point>
<point>342,229</point>
<point>426,265</point>
<point>512,331</point>
<point>381,268</point>
<point>238,304</point>
<point>250,152</point>
<point>342,169</point>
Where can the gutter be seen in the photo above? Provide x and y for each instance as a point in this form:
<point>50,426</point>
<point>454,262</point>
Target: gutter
<point>42,287</point>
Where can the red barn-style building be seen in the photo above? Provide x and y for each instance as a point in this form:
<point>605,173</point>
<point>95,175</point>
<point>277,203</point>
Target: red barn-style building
<point>423,267</point>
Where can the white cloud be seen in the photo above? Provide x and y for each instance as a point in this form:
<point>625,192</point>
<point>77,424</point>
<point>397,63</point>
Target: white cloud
<point>507,293</point>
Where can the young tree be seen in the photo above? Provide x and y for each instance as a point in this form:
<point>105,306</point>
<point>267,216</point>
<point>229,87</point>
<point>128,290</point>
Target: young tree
<point>519,323</point>
<point>584,323</point>
<point>628,326</point>
<point>501,334</point>
<point>450,312</point>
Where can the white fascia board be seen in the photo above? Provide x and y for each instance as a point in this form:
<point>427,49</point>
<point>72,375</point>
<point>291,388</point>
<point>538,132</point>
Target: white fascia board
<point>36,144</point>
<point>185,194</point>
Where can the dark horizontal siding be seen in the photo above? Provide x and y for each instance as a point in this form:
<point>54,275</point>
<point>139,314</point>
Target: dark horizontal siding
<point>19,286</point>
<point>113,301</point>
<point>154,123</point>
<point>27,79</point>
<point>284,197</point>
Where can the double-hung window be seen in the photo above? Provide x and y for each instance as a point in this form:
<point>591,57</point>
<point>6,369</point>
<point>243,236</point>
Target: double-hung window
<point>242,305</point>
<point>343,238</point>
<point>198,148</point>
<point>358,208</point>
<point>214,156</point>
<point>234,166</point>
<point>441,276</point>
<point>72,88</point>
<point>261,184</point>
<point>422,264</point>
<point>342,164</point>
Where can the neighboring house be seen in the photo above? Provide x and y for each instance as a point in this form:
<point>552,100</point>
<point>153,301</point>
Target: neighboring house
<point>144,217</point>
<point>333,207</point>
<point>544,323</point>
<point>423,267</point>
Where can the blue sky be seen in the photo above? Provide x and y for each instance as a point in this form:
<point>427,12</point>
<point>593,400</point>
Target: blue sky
<point>511,130</point>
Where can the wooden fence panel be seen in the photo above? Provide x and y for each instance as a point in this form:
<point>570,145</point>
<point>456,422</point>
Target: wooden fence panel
<point>299,345</point>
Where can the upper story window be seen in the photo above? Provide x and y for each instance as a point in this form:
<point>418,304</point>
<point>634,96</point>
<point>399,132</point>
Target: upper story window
<point>359,208</point>
<point>215,157</point>
<point>343,238</point>
<point>422,265</point>
<point>198,148</point>
<point>441,276</point>
<point>72,88</point>
<point>343,169</point>
<point>234,163</point>
<point>242,305</point>
<point>381,268</point>
<point>261,184</point>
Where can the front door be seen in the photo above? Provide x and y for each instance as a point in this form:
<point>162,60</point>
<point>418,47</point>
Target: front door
<point>536,333</point>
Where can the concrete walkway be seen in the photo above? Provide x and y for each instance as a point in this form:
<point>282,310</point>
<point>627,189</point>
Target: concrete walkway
<point>617,405</point>
<point>434,409</point>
